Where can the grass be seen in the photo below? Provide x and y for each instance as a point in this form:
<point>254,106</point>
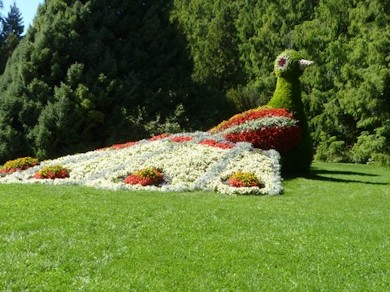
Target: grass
<point>328,232</point>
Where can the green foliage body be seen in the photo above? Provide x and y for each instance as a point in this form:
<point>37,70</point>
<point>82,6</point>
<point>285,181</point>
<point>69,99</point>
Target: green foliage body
<point>288,95</point>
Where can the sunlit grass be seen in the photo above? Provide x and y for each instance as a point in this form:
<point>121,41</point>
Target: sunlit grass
<point>328,232</point>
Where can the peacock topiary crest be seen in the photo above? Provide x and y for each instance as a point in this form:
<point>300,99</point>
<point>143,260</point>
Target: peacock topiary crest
<point>282,123</point>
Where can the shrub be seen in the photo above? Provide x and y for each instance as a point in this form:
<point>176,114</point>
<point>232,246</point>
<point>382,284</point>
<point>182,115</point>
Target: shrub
<point>52,172</point>
<point>244,179</point>
<point>145,177</point>
<point>245,98</point>
<point>19,164</point>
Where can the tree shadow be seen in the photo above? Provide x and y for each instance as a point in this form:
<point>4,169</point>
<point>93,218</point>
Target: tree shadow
<point>347,176</point>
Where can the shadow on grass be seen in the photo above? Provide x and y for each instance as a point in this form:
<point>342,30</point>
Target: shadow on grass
<point>347,176</point>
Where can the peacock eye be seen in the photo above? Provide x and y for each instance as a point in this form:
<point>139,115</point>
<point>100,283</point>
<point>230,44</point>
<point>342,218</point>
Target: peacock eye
<point>282,62</point>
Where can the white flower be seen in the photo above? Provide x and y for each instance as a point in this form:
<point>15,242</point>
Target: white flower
<point>186,166</point>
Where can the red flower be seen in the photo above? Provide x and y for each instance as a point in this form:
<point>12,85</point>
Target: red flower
<point>123,145</point>
<point>252,115</point>
<point>52,172</point>
<point>181,139</point>
<point>244,179</point>
<point>214,143</point>
<point>19,164</point>
<point>282,139</point>
<point>145,177</point>
<point>159,137</point>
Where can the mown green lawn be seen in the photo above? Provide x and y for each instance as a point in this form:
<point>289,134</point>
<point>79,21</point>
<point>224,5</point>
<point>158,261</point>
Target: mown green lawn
<point>328,232</point>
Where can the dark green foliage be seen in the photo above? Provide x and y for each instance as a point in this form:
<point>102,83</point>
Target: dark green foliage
<point>11,33</point>
<point>346,95</point>
<point>349,101</point>
<point>89,73</point>
<point>135,68</point>
<point>244,98</point>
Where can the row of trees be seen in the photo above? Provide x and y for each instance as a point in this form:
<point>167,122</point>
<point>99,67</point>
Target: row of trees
<point>93,73</point>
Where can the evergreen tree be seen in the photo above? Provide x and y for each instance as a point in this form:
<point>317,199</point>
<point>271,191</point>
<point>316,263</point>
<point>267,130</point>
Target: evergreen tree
<point>11,34</point>
<point>92,73</point>
<point>350,86</point>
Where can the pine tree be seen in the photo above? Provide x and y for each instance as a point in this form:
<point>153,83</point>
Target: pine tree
<point>89,73</point>
<point>11,34</point>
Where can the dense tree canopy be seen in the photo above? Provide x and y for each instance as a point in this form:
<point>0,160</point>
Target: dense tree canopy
<point>90,73</point>
<point>347,93</point>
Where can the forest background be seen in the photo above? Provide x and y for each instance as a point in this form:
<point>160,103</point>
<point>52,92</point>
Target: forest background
<point>88,74</point>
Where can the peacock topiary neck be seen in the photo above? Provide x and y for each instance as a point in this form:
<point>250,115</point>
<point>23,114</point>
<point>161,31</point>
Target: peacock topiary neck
<point>288,95</point>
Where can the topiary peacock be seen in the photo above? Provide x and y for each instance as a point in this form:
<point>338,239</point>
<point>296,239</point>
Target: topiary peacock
<point>282,123</point>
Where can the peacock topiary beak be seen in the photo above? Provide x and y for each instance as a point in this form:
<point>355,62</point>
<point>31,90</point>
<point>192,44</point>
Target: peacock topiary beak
<point>303,64</point>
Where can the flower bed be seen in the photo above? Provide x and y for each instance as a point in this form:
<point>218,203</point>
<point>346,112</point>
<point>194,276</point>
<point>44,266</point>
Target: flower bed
<point>244,179</point>
<point>18,164</point>
<point>264,128</point>
<point>52,172</point>
<point>204,162</point>
<point>149,176</point>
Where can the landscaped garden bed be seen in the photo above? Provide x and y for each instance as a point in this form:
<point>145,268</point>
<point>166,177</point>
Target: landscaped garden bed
<point>178,162</point>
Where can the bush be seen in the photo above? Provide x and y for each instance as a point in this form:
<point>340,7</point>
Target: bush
<point>245,98</point>
<point>19,164</point>
<point>331,150</point>
<point>244,179</point>
<point>52,172</point>
<point>145,177</point>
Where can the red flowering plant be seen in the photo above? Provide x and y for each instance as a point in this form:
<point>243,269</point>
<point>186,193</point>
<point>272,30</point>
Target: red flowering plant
<point>264,128</point>
<point>19,164</point>
<point>252,114</point>
<point>52,172</point>
<point>282,139</point>
<point>181,139</point>
<point>145,177</point>
<point>123,145</point>
<point>215,143</point>
<point>244,179</point>
<point>159,137</point>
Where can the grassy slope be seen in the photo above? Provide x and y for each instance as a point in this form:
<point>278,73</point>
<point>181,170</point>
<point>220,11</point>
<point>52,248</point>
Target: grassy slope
<point>327,232</point>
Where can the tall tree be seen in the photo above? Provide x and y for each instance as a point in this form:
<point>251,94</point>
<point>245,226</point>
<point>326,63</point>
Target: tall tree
<point>350,97</point>
<point>11,34</point>
<point>91,73</point>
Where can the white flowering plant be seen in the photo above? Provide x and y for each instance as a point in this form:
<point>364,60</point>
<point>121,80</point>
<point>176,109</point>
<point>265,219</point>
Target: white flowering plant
<point>190,161</point>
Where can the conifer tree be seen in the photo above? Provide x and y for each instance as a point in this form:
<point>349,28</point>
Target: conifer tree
<point>91,73</point>
<point>11,33</point>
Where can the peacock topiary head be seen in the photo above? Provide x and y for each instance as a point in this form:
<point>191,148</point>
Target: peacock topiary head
<point>290,64</point>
